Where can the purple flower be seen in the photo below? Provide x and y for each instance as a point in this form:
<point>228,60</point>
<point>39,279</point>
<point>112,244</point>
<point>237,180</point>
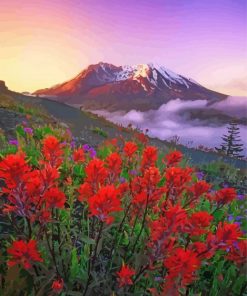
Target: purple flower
<point>72,144</point>
<point>13,142</point>
<point>237,223</point>
<point>86,147</point>
<point>238,218</point>
<point>28,130</point>
<point>92,152</point>
<point>240,197</point>
<point>122,180</point>
<point>235,244</point>
<point>230,218</point>
<point>199,175</point>
<point>225,185</point>
<point>133,172</point>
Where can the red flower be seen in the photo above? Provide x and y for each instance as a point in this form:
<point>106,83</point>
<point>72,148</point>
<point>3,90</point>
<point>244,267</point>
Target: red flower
<point>57,286</point>
<point>238,252</point>
<point>130,148</point>
<point>173,158</point>
<point>176,180</point>
<point>24,253</point>
<point>12,169</point>
<point>105,203</point>
<point>54,198</point>
<point>78,155</point>
<point>96,173</point>
<point>124,276</point>
<point>225,195</point>
<point>182,265</point>
<point>114,165</point>
<point>149,157</point>
<point>227,234</point>
<point>85,191</point>
<point>199,188</point>
<point>198,222</point>
<point>52,150</point>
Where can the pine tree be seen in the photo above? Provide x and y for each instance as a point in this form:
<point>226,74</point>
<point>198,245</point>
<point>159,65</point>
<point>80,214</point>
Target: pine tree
<point>232,145</point>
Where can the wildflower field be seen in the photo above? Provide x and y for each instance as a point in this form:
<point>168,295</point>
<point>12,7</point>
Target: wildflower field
<point>124,219</point>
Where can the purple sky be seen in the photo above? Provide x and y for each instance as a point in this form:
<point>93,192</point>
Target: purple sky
<point>44,42</point>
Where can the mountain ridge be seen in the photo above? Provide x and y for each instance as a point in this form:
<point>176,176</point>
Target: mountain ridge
<point>143,86</point>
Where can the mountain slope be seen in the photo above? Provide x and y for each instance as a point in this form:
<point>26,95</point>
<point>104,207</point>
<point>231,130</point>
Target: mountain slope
<point>143,87</point>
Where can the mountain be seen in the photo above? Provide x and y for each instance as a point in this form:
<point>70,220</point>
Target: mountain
<point>141,87</point>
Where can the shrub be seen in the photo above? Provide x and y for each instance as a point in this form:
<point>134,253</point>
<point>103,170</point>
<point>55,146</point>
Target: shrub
<point>123,224</point>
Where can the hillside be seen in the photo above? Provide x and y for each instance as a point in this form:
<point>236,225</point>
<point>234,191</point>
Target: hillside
<point>84,125</point>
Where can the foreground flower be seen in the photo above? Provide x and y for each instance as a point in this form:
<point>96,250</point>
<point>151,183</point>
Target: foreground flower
<point>182,266</point>
<point>124,276</point>
<point>225,195</point>
<point>54,198</point>
<point>52,150</point>
<point>24,253</point>
<point>12,169</point>
<point>173,158</point>
<point>105,203</point>
<point>78,155</point>
<point>130,148</point>
<point>57,286</point>
<point>13,142</point>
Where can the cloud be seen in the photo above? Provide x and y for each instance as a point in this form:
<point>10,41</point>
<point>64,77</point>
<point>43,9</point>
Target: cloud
<point>169,120</point>
<point>233,106</point>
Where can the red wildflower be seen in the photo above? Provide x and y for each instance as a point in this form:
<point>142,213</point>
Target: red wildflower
<point>198,222</point>
<point>173,158</point>
<point>199,188</point>
<point>114,165</point>
<point>54,198</point>
<point>225,195</point>
<point>96,173</point>
<point>85,191</point>
<point>24,253</point>
<point>149,157</point>
<point>104,203</point>
<point>12,169</point>
<point>124,276</point>
<point>52,150</point>
<point>79,155</point>
<point>176,180</point>
<point>49,175</point>
<point>57,286</point>
<point>238,252</point>
<point>130,148</point>
<point>227,234</point>
<point>182,265</point>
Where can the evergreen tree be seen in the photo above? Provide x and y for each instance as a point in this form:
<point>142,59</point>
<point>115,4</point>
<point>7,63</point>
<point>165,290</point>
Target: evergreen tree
<point>232,145</point>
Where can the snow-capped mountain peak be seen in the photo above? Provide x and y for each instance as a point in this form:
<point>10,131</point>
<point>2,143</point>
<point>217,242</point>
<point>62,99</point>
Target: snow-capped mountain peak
<point>142,85</point>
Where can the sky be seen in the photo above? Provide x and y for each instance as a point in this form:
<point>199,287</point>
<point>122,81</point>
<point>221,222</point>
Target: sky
<point>45,42</point>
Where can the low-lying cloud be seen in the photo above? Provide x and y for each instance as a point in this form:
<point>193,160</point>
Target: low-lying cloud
<point>172,119</point>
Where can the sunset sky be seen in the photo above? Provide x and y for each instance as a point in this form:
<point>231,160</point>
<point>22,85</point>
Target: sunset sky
<point>45,42</point>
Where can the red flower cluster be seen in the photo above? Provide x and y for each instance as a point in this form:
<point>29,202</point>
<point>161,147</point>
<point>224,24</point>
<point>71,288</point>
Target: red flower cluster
<point>105,203</point>
<point>181,265</point>
<point>125,276</point>
<point>52,151</point>
<point>173,158</point>
<point>225,195</point>
<point>25,254</point>
<point>79,155</point>
<point>57,286</point>
<point>129,149</point>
